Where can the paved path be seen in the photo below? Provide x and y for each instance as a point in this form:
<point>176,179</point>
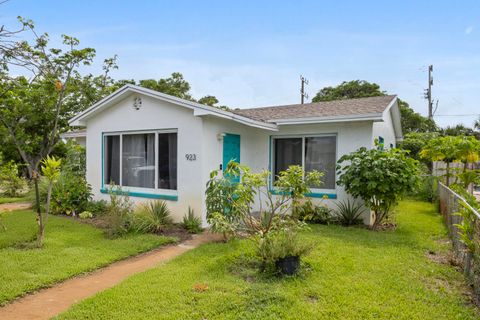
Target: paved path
<point>51,301</point>
<point>14,206</point>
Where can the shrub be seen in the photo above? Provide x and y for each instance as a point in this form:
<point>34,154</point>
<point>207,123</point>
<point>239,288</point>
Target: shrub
<point>99,207</point>
<point>349,213</point>
<point>119,215</point>
<point>312,213</point>
<point>192,223</point>
<point>283,243</point>
<point>11,184</point>
<point>152,217</point>
<point>219,223</point>
<point>70,195</point>
<point>221,213</point>
<point>75,159</point>
<point>427,189</point>
<point>273,216</point>
<point>378,177</point>
<point>85,215</point>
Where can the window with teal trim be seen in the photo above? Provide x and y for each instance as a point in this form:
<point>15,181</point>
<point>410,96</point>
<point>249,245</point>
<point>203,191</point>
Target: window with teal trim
<point>311,152</point>
<point>141,160</point>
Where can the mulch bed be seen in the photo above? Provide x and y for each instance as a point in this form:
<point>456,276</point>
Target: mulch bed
<point>172,231</point>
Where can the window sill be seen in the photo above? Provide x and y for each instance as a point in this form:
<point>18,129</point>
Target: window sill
<point>323,195</point>
<point>144,195</point>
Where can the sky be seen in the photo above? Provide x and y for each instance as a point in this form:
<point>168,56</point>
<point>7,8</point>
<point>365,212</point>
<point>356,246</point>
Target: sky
<point>252,53</point>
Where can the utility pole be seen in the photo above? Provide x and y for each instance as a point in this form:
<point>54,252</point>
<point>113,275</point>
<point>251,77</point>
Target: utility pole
<point>303,95</point>
<point>428,92</point>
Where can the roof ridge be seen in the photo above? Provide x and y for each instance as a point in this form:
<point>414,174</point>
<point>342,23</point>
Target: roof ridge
<point>315,103</point>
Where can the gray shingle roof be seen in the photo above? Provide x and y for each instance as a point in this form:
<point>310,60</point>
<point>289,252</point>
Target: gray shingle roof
<point>337,108</point>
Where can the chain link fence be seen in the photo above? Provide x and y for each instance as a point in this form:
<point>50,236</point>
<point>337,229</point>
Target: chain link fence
<point>450,205</point>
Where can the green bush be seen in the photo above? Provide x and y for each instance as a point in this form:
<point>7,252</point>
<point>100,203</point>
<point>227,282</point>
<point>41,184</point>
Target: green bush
<point>379,177</point>
<point>349,213</point>
<point>11,184</point>
<point>75,159</point>
<point>283,243</point>
<point>152,217</point>
<point>192,223</point>
<point>70,195</point>
<point>312,213</point>
<point>119,217</point>
<point>99,207</point>
<point>427,189</point>
<point>265,226</point>
<point>85,215</point>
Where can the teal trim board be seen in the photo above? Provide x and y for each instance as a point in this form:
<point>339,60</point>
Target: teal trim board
<point>143,195</point>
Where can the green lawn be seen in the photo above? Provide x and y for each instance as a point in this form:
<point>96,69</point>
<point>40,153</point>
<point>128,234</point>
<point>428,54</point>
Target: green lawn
<point>70,248</point>
<point>354,274</point>
<point>12,200</point>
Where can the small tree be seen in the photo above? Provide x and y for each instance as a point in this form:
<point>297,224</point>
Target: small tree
<point>272,219</point>
<point>51,171</point>
<point>452,149</point>
<point>379,177</point>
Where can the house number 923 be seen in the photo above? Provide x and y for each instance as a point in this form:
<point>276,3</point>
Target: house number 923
<point>191,156</point>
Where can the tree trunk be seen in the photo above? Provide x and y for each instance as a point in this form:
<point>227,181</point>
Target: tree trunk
<point>40,222</point>
<point>47,205</point>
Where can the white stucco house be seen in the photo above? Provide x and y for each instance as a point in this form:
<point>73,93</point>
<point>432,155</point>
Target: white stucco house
<point>158,146</point>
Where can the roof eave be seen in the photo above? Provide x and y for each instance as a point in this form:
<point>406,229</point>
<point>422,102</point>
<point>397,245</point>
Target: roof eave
<point>363,117</point>
<point>199,109</point>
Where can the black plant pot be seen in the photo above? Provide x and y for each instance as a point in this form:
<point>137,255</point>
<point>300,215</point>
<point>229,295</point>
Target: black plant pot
<point>288,265</point>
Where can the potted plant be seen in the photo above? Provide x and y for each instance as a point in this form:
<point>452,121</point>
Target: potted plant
<point>283,249</point>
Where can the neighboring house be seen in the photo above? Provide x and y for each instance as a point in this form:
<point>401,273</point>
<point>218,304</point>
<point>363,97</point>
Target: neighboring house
<point>158,146</point>
<point>79,136</point>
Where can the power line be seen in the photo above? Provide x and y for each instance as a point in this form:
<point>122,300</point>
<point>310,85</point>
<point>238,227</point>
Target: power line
<point>458,115</point>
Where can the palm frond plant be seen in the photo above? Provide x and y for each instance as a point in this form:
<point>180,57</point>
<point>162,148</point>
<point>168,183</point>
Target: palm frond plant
<point>349,212</point>
<point>153,217</point>
<point>191,222</point>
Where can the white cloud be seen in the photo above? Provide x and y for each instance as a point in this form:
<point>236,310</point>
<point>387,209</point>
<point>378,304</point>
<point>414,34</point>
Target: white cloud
<point>469,30</point>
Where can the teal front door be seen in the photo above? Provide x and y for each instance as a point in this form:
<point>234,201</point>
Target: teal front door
<point>231,150</point>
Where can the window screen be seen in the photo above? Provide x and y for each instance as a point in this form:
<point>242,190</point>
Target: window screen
<point>320,154</point>
<point>288,152</point>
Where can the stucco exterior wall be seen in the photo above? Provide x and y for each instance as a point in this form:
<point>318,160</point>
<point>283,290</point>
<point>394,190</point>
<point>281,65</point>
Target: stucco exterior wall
<point>350,136</point>
<point>386,130</point>
<point>202,136</point>
<point>153,115</point>
<point>255,145</point>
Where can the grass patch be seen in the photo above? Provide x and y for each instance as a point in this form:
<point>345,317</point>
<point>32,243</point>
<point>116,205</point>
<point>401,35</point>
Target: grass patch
<point>353,273</point>
<point>70,248</point>
<point>13,200</point>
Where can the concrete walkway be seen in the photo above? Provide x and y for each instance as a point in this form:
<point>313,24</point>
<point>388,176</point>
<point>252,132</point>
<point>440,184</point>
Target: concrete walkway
<point>50,302</point>
<point>14,206</point>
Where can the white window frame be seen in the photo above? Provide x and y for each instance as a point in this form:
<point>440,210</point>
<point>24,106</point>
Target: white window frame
<point>303,136</point>
<point>155,190</point>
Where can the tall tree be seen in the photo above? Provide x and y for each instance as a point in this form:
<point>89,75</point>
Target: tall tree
<point>413,121</point>
<point>34,110</point>
<point>458,130</point>
<point>349,90</point>
<point>175,85</point>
